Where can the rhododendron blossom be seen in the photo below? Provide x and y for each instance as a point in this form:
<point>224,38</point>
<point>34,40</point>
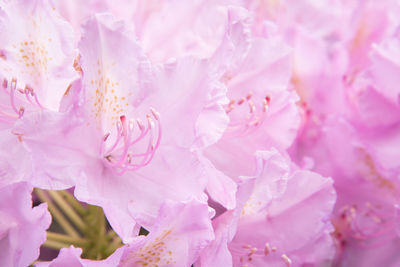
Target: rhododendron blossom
<point>199,133</point>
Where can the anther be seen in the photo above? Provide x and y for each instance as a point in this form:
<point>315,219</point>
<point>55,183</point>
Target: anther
<point>140,124</point>
<point>252,251</point>
<point>265,105</point>
<point>267,249</point>
<point>106,136</point>
<point>13,83</point>
<point>252,107</point>
<point>151,122</point>
<point>249,95</point>
<point>241,101</point>
<point>156,115</point>
<point>21,112</point>
<point>287,260</point>
<point>268,99</point>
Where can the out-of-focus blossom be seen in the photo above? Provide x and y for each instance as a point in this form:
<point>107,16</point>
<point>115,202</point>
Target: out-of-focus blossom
<point>22,228</point>
<point>283,221</point>
<point>262,109</point>
<point>365,216</point>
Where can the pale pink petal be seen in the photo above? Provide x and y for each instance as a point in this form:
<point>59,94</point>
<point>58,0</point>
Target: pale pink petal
<point>174,174</point>
<point>220,187</point>
<point>386,67</point>
<point>38,50</point>
<point>181,28</point>
<point>71,257</point>
<point>15,161</point>
<point>22,229</point>
<point>266,233</point>
<point>180,91</point>
<point>176,239</point>
<point>110,62</point>
<point>54,146</point>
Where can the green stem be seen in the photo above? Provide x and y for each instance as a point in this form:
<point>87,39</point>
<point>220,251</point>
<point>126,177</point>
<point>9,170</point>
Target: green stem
<point>101,231</point>
<point>61,238</point>
<point>116,243</point>
<point>71,214</point>
<point>54,244</point>
<point>110,234</point>
<point>73,202</point>
<point>57,215</point>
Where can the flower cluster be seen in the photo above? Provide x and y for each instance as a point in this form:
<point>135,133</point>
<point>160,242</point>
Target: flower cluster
<point>200,133</point>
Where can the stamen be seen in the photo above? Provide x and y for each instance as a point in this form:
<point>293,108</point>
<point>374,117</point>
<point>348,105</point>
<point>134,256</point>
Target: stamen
<point>252,251</point>
<point>121,156</point>
<point>106,137</point>
<point>5,84</point>
<point>247,253</point>
<point>12,94</point>
<point>381,225</point>
<point>140,124</point>
<point>267,249</point>
<point>287,260</point>
<point>21,112</point>
<point>252,107</point>
<point>119,134</point>
<point>252,119</point>
<point>15,97</point>
<point>156,115</point>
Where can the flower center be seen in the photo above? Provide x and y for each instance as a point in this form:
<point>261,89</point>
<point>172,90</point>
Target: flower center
<point>248,252</point>
<point>19,100</point>
<point>122,154</point>
<point>368,224</point>
<point>242,119</point>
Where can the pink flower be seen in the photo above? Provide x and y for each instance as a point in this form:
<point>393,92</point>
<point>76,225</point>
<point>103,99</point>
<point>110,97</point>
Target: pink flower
<point>36,67</point>
<point>38,52</point>
<point>283,220</point>
<point>262,109</point>
<point>130,157</point>
<point>176,239</point>
<point>22,228</point>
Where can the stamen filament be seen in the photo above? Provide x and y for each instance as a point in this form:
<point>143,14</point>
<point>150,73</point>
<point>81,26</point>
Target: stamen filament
<point>123,150</point>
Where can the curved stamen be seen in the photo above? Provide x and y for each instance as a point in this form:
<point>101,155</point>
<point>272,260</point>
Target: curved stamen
<point>15,94</point>
<point>121,156</point>
<point>254,117</point>
<point>381,230</point>
<point>247,252</point>
<point>119,134</point>
<point>150,151</point>
<point>12,94</point>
